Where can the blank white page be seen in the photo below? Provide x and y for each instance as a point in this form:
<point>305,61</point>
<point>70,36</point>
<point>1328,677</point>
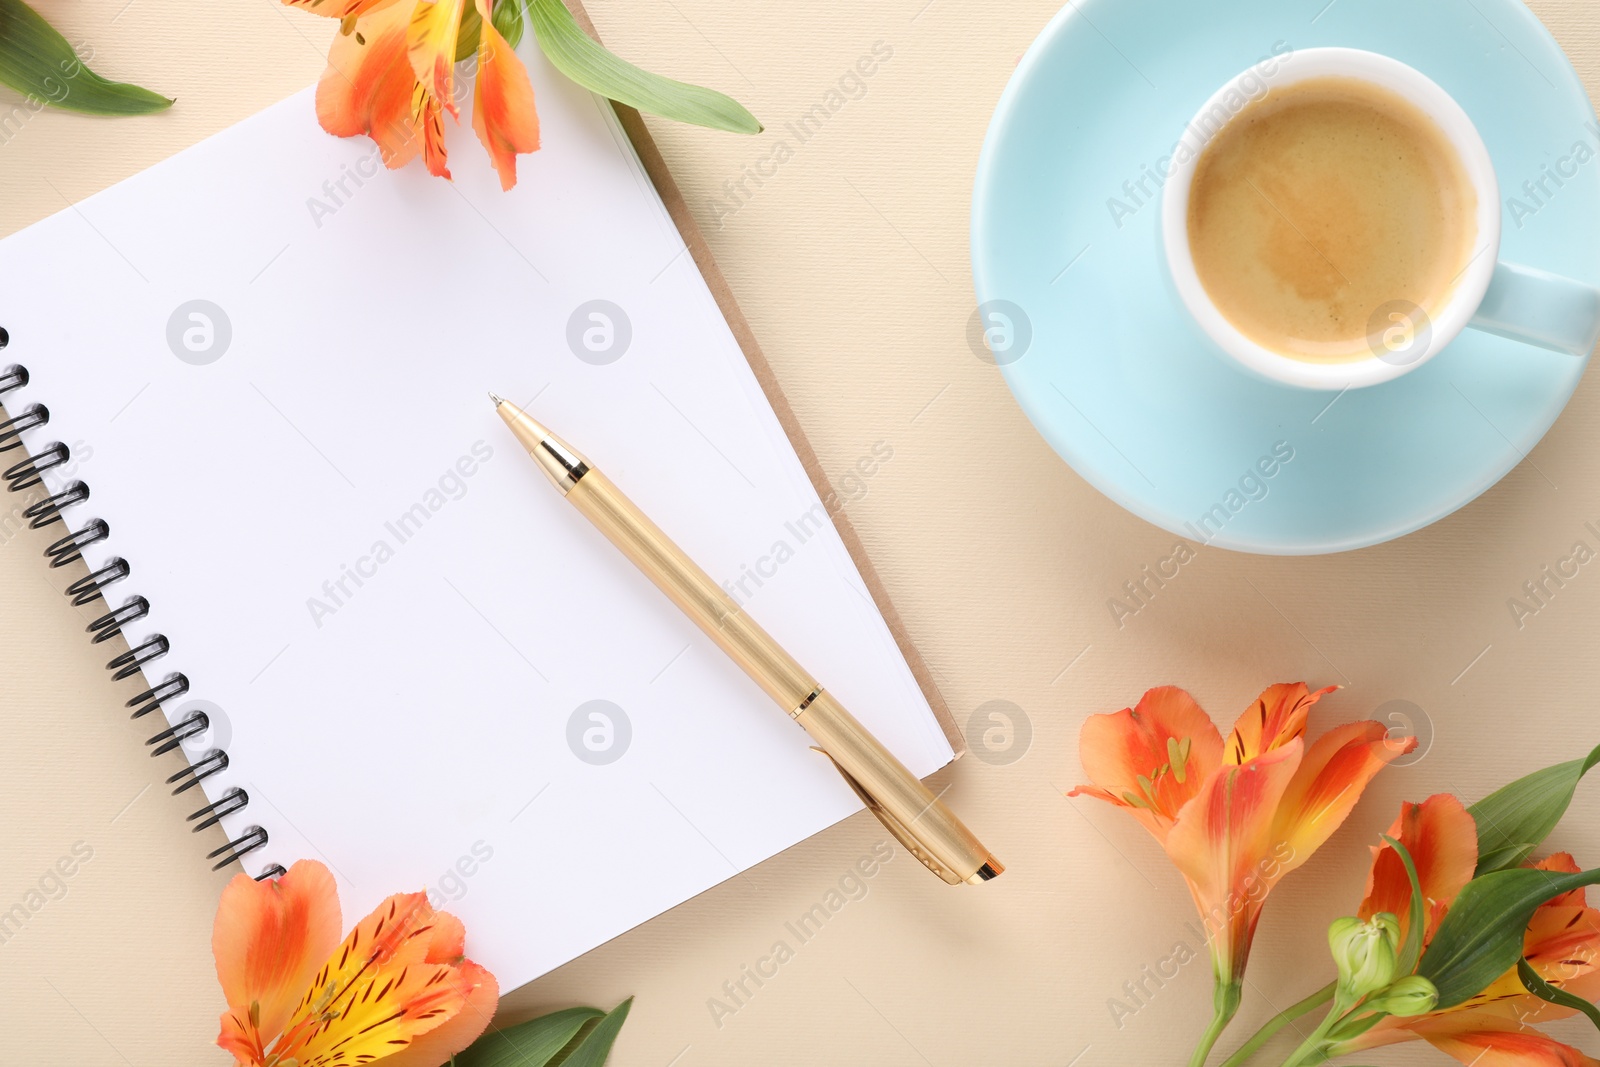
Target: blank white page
<point>395,613</point>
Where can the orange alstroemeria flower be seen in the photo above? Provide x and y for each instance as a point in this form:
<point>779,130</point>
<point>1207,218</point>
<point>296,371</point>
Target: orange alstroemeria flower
<point>392,76</point>
<point>1234,816</point>
<point>1493,1029</point>
<point>397,990</point>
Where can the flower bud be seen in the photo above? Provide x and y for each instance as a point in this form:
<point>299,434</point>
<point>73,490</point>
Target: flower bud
<point>1411,995</point>
<point>1365,953</point>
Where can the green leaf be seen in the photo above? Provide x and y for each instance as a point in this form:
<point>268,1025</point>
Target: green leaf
<point>581,58</point>
<point>1515,819</point>
<point>593,1047</point>
<point>531,1044</point>
<point>576,1037</point>
<point>1416,920</point>
<point>1555,995</point>
<point>1481,936</point>
<point>507,19</point>
<point>38,62</point>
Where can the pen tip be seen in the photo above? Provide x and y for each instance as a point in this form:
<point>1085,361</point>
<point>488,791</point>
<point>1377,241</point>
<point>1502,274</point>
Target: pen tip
<point>496,398</point>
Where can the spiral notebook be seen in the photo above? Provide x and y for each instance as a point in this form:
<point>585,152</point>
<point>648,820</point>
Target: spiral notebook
<point>246,396</point>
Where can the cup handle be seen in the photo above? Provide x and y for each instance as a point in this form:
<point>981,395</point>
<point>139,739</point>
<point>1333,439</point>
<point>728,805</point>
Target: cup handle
<point>1540,308</point>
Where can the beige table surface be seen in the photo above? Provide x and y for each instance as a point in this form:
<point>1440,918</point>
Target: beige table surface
<point>851,262</point>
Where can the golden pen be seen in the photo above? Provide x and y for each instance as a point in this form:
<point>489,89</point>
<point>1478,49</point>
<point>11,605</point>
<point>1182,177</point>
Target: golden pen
<point>917,818</point>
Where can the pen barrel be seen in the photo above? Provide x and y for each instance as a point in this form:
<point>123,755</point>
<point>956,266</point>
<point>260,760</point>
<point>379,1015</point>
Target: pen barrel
<point>692,590</point>
<point>938,838</point>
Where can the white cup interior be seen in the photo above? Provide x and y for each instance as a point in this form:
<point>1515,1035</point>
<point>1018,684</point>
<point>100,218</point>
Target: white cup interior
<point>1286,69</point>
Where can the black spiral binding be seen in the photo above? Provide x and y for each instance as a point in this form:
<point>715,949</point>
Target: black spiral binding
<point>28,473</point>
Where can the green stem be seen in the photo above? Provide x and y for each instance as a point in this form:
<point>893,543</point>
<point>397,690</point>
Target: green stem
<point>1226,1000</point>
<point>1314,1049</point>
<point>1308,1048</point>
<point>1278,1022</point>
<point>1313,1058</point>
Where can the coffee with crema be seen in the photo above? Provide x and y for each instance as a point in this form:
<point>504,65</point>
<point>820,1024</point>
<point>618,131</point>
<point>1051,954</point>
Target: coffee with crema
<point>1321,204</point>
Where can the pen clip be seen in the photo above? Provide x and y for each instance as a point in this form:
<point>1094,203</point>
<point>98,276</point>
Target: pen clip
<point>901,832</point>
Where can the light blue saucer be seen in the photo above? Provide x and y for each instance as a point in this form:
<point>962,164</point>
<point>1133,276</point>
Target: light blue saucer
<point>1119,379</point>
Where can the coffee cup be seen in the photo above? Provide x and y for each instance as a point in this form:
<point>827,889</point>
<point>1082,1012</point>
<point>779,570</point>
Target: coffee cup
<point>1290,288</point>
